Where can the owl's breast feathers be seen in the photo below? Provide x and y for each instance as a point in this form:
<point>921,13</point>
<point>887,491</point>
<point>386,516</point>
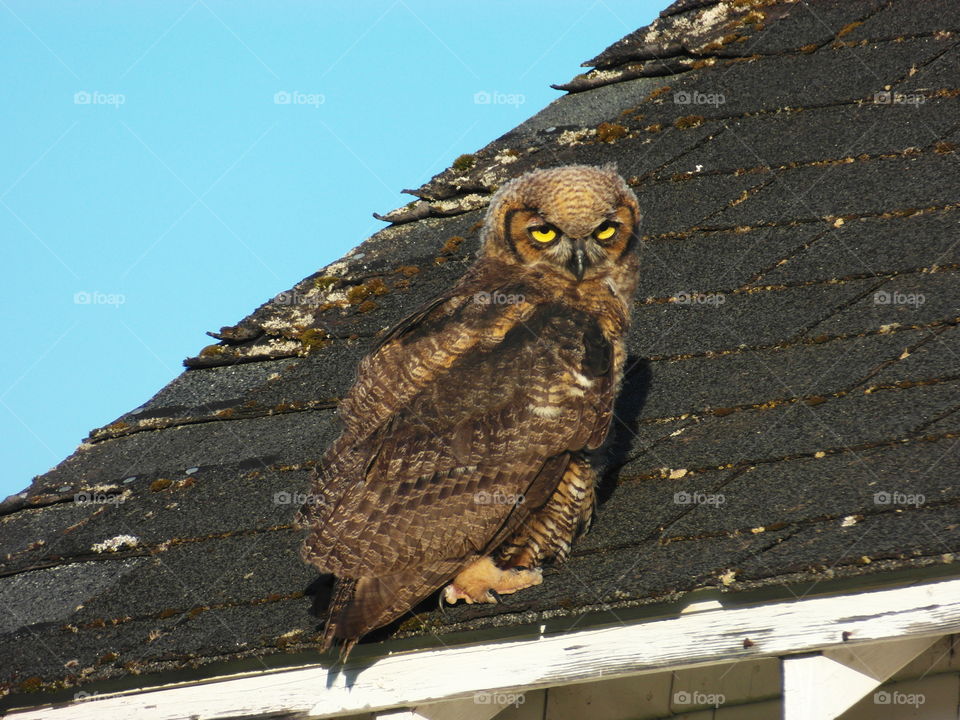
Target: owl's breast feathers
<point>461,424</point>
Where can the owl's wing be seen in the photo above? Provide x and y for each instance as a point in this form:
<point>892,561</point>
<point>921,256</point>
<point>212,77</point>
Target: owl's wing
<point>414,319</point>
<point>459,426</point>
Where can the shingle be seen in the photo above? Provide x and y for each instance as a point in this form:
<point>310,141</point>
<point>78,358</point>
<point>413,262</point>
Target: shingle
<point>717,261</point>
<point>821,134</point>
<point>621,577</point>
<point>820,213</point>
<point>582,110</point>
<point>207,392</point>
<point>928,17</point>
<point>899,184</point>
<point>874,245</point>
<point>938,357</point>
<point>681,6</point>
<point>253,443</point>
<point>151,644</point>
<point>798,80</point>
<point>681,206</point>
<point>943,423</point>
<point>768,434</point>
<point>710,322</point>
<point>903,300</point>
<point>636,512</point>
<point>31,529</point>
<point>865,482</point>
<point>53,595</point>
<point>187,577</point>
<point>755,377</point>
<point>358,296</point>
<point>814,22</point>
<point>925,536</point>
<point>160,509</point>
<point>639,146</point>
<point>709,29</point>
<point>248,390</point>
<point>937,76</point>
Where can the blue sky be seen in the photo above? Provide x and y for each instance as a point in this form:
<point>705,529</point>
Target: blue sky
<point>152,187</point>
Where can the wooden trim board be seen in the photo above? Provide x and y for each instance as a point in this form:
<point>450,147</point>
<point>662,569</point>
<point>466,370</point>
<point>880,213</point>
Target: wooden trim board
<point>415,678</point>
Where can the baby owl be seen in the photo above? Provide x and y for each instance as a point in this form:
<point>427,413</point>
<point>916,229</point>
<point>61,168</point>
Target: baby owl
<point>464,461</point>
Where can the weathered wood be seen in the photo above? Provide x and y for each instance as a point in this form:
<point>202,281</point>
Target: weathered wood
<point>821,687</point>
<point>417,678</point>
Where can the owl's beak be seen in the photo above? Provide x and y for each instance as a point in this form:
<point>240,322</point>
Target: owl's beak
<point>579,261</point>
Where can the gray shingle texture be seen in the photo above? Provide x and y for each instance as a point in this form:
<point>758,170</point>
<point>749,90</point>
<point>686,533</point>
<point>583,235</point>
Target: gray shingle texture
<point>790,414</point>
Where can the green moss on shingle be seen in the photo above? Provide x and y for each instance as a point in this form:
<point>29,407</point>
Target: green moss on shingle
<point>324,282</point>
<point>610,132</point>
<point>451,245</point>
<point>688,121</point>
<point>313,338</point>
<point>213,351</point>
<point>464,163</point>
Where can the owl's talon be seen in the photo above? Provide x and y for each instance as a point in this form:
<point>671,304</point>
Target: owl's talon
<point>478,581</point>
<point>452,593</point>
<point>519,579</point>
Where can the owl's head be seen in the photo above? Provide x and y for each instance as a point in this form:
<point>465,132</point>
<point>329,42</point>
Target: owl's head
<point>577,220</point>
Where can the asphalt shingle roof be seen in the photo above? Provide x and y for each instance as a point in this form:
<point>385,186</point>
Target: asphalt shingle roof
<point>794,360</point>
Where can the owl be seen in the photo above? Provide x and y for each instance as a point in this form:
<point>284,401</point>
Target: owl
<point>465,457</point>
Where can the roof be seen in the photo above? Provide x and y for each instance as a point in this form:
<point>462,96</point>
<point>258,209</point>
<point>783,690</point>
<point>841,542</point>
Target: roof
<point>790,414</point>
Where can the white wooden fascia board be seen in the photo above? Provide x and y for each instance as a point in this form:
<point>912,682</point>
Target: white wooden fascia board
<point>416,678</point>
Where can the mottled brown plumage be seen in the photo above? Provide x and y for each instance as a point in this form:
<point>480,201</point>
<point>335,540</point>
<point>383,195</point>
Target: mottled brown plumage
<point>464,457</point>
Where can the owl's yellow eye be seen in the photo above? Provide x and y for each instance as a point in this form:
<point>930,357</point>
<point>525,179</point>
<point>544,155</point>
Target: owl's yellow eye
<point>543,233</point>
<point>605,231</point>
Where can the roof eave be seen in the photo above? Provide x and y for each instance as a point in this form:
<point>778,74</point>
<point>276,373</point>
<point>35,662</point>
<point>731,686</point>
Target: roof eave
<point>704,634</point>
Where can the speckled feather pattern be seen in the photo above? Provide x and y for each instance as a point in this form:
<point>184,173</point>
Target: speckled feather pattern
<point>468,404</point>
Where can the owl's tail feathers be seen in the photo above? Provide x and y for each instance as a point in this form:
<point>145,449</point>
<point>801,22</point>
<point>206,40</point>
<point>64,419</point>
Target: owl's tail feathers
<point>343,591</point>
<point>361,605</point>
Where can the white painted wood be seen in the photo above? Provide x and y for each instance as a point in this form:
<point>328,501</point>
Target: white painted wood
<point>417,678</point>
<point>702,606</point>
<point>817,688</point>
<point>823,686</point>
<point>880,660</point>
